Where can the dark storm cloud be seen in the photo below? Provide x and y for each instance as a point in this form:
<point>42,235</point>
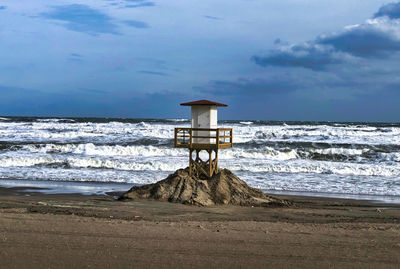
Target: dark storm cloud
<point>363,41</point>
<point>373,39</point>
<point>82,18</point>
<point>309,56</point>
<point>136,24</point>
<point>391,10</point>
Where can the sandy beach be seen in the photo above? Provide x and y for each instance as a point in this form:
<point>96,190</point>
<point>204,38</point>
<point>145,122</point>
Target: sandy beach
<point>78,231</point>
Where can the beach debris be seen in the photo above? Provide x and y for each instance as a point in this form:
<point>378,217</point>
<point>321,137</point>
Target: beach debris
<point>223,188</point>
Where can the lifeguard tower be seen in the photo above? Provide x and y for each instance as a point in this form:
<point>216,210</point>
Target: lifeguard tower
<point>203,135</point>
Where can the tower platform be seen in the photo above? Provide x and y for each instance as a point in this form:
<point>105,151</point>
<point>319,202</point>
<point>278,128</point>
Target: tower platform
<point>207,139</point>
<point>203,138</point>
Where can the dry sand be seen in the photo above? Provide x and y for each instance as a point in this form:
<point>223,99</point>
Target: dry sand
<point>76,231</point>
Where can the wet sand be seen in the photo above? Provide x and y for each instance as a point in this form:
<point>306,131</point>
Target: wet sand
<point>77,231</point>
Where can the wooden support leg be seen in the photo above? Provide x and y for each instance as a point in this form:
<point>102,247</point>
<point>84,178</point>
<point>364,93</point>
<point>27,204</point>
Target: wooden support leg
<point>210,166</point>
<point>190,163</point>
<point>216,161</point>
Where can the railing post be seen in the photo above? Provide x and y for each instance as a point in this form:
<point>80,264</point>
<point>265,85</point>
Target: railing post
<point>176,137</point>
<point>190,162</point>
<point>210,167</point>
<point>217,137</point>
<point>231,138</point>
<point>190,137</point>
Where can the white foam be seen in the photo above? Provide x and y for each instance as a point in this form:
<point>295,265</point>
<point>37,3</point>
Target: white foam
<point>395,156</point>
<point>53,129</point>
<point>340,151</point>
<point>265,153</point>
<point>21,162</point>
<point>82,175</point>
<point>177,120</point>
<point>318,133</point>
<point>55,120</point>
<point>145,164</point>
<point>90,149</point>
<point>317,167</point>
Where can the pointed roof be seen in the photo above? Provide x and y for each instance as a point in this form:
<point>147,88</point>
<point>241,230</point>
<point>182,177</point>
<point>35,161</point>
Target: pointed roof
<point>203,103</point>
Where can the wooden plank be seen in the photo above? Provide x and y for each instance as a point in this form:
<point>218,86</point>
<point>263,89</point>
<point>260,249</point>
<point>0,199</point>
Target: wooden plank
<point>183,138</point>
<point>202,136</point>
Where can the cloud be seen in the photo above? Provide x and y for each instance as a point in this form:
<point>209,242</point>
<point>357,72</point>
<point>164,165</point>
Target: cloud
<point>2,7</point>
<point>211,17</point>
<point>308,55</point>
<point>75,57</point>
<point>139,3</point>
<point>391,10</point>
<point>82,18</point>
<point>136,24</point>
<point>153,73</point>
<point>375,38</point>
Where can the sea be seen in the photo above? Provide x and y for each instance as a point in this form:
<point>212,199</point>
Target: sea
<point>102,155</point>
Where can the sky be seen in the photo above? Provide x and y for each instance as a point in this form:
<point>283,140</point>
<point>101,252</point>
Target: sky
<point>308,60</point>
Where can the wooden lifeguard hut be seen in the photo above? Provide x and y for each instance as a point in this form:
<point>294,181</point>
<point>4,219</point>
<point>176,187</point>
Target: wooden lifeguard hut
<point>203,135</point>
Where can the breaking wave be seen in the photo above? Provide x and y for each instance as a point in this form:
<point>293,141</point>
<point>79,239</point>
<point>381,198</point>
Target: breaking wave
<point>320,156</point>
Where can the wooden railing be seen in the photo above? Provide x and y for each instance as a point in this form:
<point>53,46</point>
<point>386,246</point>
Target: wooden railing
<point>202,138</point>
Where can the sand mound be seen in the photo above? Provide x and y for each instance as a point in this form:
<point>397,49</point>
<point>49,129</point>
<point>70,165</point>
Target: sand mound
<point>223,188</point>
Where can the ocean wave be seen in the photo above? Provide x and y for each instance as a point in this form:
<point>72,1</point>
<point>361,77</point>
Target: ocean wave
<point>263,154</point>
<point>163,163</point>
<point>128,150</point>
<point>23,162</point>
<point>347,152</point>
<point>393,157</point>
<point>98,163</point>
<point>91,149</point>
<point>143,148</point>
<point>56,120</point>
<point>120,131</point>
<point>328,134</point>
<point>319,167</point>
<point>178,120</point>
